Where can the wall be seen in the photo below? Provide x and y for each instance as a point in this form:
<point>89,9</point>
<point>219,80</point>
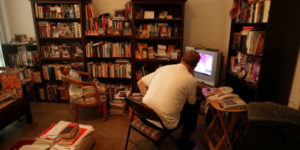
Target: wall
<point>18,18</point>
<point>207,22</point>
<point>294,100</point>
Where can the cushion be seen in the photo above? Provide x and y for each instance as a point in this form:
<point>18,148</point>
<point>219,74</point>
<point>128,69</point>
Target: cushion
<point>147,130</point>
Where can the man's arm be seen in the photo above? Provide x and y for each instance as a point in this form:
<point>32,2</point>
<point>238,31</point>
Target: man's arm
<point>142,87</point>
<point>145,82</point>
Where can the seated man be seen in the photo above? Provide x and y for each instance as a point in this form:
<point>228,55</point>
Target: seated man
<point>171,92</point>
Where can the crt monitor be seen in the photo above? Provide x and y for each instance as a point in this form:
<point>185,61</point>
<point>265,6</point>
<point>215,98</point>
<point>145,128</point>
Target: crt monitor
<point>208,68</point>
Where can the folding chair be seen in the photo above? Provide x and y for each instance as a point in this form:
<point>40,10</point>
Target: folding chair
<point>143,126</point>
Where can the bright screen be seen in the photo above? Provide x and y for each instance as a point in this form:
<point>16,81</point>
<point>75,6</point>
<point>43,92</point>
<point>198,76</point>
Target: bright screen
<point>204,66</point>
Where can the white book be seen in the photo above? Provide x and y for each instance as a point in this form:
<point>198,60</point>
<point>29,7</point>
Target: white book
<point>267,5</point>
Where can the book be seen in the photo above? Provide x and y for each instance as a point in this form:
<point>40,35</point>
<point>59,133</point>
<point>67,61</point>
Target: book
<point>109,70</point>
<point>51,135</point>
<point>108,49</point>
<point>69,132</point>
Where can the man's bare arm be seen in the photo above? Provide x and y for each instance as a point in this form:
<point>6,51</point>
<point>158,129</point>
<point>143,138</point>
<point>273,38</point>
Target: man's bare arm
<point>142,87</point>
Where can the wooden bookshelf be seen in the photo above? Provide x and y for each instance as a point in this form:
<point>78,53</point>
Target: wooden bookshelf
<point>156,61</point>
<point>41,17</point>
<point>174,8</point>
<point>58,19</point>
<point>63,59</point>
<point>277,63</point>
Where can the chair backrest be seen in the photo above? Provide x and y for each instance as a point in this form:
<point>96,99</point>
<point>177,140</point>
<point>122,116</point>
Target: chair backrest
<point>142,110</point>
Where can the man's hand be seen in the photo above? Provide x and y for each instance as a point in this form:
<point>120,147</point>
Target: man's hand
<point>142,87</point>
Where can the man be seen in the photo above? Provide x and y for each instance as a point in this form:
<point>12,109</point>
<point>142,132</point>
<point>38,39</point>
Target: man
<point>171,92</point>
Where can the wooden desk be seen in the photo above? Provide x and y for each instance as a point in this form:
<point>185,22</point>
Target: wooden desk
<point>217,111</point>
<point>12,110</point>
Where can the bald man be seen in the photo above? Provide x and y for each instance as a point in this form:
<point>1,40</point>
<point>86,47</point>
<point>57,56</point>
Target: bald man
<point>171,92</point>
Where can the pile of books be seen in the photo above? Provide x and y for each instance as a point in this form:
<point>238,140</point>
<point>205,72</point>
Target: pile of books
<point>245,67</point>
<point>249,40</point>
<point>24,57</point>
<point>57,11</point>
<point>253,11</point>
<point>68,135</point>
<point>163,30</point>
<point>53,71</point>
<point>108,49</point>
<point>110,70</point>
<point>107,25</point>
<point>163,52</point>
<point>66,50</point>
<point>59,30</point>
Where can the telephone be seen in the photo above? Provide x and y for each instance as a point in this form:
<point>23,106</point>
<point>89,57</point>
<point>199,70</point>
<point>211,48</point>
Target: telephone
<point>221,96</point>
<point>232,102</point>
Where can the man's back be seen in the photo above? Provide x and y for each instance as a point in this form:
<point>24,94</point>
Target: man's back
<point>168,89</point>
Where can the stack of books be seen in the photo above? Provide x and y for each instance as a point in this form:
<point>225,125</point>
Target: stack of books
<point>110,70</point>
<point>108,49</point>
<point>59,30</point>
<point>24,57</point>
<point>57,11</point>
<point>68,135</point>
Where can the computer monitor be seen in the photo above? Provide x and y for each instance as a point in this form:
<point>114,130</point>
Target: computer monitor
<point>208,67</point>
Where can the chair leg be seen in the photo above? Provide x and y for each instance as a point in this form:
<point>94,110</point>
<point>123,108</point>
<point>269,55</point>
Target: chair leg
<point>75,109</point>
<point>128,134</point>
<point>105,111</point>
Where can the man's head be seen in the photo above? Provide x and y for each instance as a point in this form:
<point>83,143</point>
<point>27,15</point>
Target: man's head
<point>191,58</point>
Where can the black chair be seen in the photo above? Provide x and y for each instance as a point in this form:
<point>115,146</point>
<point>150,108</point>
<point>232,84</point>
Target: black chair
<point>143,126</point>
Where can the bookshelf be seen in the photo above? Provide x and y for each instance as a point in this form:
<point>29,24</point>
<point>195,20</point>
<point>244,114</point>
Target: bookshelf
<point>268,68</point>
<point>157,28</point>
<point>59,31</point>
<point>24,55</point>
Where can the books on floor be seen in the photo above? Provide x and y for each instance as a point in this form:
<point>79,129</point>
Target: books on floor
<point>66,133</point>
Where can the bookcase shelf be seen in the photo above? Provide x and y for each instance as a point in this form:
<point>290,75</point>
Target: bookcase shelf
<point>159,39</point>
<point>159,20</point>
<point>64,59</point>
<point>251,85</point>
<point>156,61</point>
<point>64,39</point>
<point>249,24</point>
<point>43,21</point>
<point>121,37</point>
<point>252,56</point>
<point>105,58</point>
<point>281,44</point>
<point>58,19</point>
<point>175,38</point>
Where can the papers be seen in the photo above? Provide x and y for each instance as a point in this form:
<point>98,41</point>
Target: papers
<point>51,135</point>
<point>56,129</point>
<point>35,147</point>
<point>61,147</point>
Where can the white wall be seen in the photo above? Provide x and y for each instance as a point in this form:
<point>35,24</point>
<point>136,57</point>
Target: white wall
<point>294,100</point>
<point>107,6</point>
<point>18,18</point>
<point>207,23</point>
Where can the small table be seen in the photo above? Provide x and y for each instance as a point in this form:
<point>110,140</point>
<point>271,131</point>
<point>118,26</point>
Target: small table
<point>13,109</point>
<point>216,111</point>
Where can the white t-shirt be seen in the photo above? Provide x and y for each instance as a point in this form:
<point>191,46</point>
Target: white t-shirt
<point>169,87</point>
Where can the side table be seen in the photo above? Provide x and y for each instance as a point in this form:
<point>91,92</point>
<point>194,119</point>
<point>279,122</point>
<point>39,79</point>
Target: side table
<point>217,111</point>
<point>13,109</point>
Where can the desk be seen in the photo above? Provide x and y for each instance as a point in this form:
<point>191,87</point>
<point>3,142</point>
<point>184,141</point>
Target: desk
<point>217,111</point>
<point>12,110</point>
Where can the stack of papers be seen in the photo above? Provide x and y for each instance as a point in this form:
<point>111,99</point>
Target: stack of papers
<point>51,135</point>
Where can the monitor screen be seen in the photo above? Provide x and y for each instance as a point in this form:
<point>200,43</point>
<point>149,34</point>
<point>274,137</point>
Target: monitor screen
<point>204,66</point>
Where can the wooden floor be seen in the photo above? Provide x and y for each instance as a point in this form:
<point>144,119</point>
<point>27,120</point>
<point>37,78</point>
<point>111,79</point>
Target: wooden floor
<point>110,134</point>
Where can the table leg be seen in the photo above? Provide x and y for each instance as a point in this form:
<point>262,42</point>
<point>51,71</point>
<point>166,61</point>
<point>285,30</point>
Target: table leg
<point>28,115</point>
